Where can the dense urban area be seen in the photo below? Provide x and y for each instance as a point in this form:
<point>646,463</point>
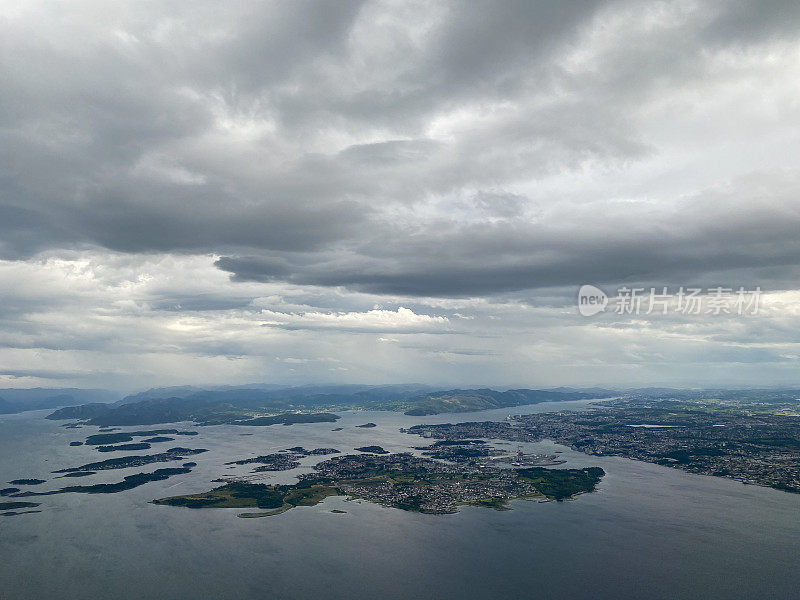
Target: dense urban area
<point>755,443</point>
<point>402,481</point>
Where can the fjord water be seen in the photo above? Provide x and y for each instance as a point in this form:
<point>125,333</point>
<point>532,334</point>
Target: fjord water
<point>648,532</point>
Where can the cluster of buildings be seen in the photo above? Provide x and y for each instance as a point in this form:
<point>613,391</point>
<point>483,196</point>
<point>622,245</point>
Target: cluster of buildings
<point>754,445</point>
<point>416,483</point>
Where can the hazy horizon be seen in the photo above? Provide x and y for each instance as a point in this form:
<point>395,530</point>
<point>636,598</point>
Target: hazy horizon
<point>123,392</point>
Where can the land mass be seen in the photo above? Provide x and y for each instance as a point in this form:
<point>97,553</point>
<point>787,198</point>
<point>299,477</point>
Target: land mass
<point>283,460</point>
<point>124,447</point>
<point>125,462</point>
<point>456,401</point>
<point>226,404</point>
<point>17,400</point>
<point>753,442</point>
<point>115,438</point>
<point>401,481</point>
<point>253,406</point>
<point>372,449</point>
<point>16,505</point>
<point>127,483</point>
<point>203,411</point>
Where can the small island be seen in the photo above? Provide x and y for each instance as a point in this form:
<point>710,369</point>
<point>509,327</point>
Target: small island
<point>123,447</point>
<point>129,482</point>
<point>134,461</point>
<point>105,439</point>
<point>284,419</point>
<point>16,505</point>
<point>372,449</point>
<point>11,509</point>
<point>270,462</point>
<point>283,460</point>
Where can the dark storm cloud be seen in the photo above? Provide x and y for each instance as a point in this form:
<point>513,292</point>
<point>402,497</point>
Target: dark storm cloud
<point>748,22</point>
<point>734,240</point>
<point>83,109</point>
<point>321,143</point>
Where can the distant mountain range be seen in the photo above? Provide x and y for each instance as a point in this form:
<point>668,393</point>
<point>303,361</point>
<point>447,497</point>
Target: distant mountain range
<point>233,404</point>
<point>13,400</point>
<point>236,404</point>
<point>227,404</point>
<point>454,401</point>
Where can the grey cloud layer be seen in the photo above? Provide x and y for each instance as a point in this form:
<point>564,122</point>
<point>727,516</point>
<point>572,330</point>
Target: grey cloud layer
<point>709,239</point>
<point>113,320</point>
<point>330,143</point>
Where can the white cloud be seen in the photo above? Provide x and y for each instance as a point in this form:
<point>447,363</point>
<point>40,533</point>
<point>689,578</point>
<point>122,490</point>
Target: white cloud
<point>400,320</point>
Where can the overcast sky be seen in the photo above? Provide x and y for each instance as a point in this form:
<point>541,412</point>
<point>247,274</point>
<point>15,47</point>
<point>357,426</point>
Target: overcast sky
<point>374,192</point>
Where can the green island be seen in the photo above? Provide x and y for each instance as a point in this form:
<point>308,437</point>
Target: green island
<point>372,449</point>
<point>560,484</point>
<point>283,460</point>
<point>125,462</point>
<point>282,419</point>
<point>207,409</point>
<point>455,401</point>
<point>124,447</point>
<point>15,505</point>
<point>11,509</point>
<point>12,513</point>
<point>128,483</point>
<point>402,481</point>
<point>274,498</point>
<point>103,439</point>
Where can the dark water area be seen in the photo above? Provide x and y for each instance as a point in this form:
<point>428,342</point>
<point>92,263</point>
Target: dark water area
<point>648,532</point>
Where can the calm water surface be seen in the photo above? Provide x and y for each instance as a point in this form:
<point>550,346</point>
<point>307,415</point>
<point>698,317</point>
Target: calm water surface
<point>649,532</point>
